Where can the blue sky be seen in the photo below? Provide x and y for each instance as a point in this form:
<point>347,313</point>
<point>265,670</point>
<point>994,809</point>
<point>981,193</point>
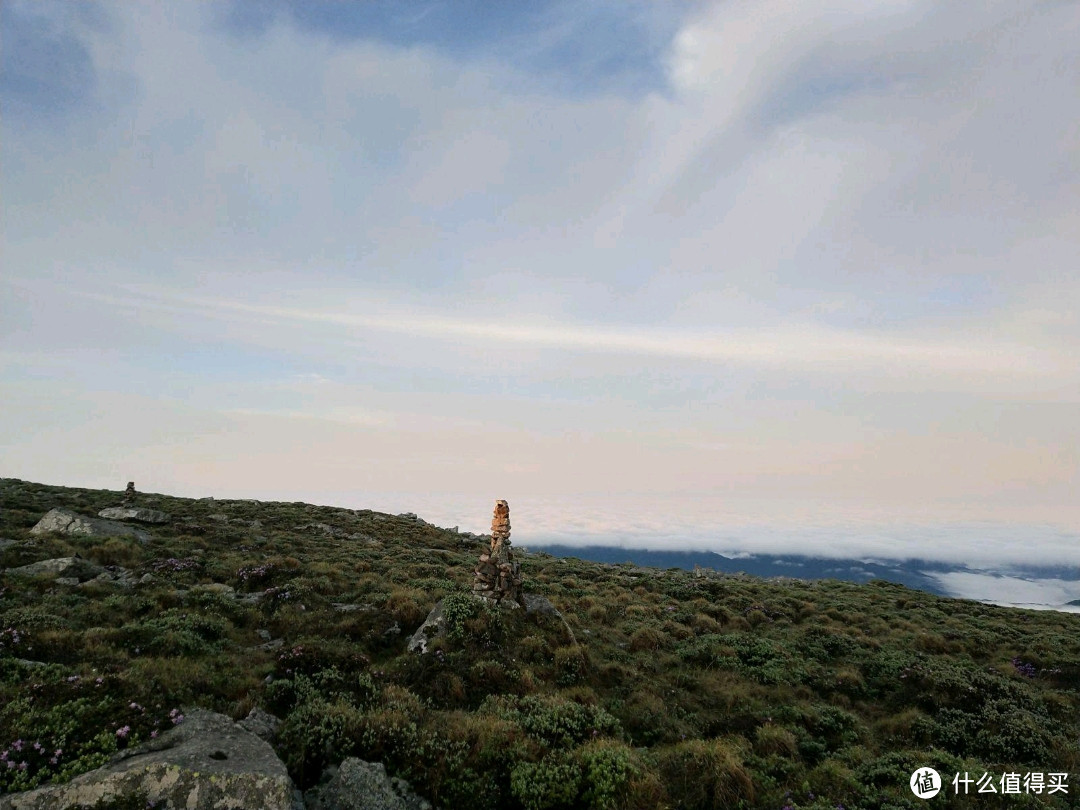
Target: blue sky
<point>674,270</point>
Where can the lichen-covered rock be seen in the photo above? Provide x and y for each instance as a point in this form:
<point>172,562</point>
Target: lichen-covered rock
<point>208,762</point>
<point>360,785</point>
<point>434,627</point>
<point>71,568</point>
<point>64,521</point>
<point>261,723</point>
<point>136,513</point>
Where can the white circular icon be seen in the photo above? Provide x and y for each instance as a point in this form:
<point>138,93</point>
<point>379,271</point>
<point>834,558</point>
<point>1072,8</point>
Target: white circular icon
<point>925,783</point>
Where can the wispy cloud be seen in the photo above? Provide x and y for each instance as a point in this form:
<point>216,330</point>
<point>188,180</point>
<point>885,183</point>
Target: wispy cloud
<point>837,350</point>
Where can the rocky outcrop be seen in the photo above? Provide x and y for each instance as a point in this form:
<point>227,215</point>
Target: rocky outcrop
<point>64,521</point>
<point>206,763</point>
<point>497,576</point>
<point>136,513</point>
<point>72,568</point>
<point>360,785</point>
<point>434,627</point>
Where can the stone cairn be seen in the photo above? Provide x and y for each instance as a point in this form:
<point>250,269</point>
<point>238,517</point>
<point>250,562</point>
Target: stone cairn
<point>498,577</point>
<point>129,494</point>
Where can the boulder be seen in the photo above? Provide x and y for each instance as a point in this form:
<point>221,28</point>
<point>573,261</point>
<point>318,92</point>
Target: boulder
<point>136,513</point>
<point>360,785</point>
<point>112,575</point>
<point>205,763</point>
<point>69,568</point>
<point>261,723</point>
<point>433,627</point>
<point>535,603</point>
<point>64,521</point>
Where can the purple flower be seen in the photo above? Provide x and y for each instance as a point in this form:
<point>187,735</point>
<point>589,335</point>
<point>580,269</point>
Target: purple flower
<point>153,734</point>
<point>17,745</point>
<point>123,732</point>
<point>52,760</point>
<point>23,766</point>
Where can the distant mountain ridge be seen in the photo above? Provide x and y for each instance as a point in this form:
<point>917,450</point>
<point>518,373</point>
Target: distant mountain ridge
<point>914,573</point>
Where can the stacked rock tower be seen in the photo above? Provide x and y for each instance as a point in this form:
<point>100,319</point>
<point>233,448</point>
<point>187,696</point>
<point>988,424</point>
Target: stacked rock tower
<point>129,494</point>
<point>498,577</point>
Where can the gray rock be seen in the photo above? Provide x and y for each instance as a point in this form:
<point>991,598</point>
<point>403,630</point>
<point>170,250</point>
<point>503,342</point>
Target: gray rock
<point>264,634</point>
<point>359,785</point>
<point>434,626</point>
<point>136,513</point>
<point>112,575</point>
<point>64,521</point>
<point>261,723</point>
<point>64,567</point>
<point>6,542</point>
<point>535,603</point>
<point>69,581</point>
<point>342,607</point>
<point>206,763</point>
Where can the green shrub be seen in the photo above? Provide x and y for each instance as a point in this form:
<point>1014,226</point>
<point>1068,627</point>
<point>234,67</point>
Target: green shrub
<point>550,784</point>
<point>606,768</point>
<point>705,774</point>
<point>569,665</point>
<point>458,608</point>
<point>554,720</point>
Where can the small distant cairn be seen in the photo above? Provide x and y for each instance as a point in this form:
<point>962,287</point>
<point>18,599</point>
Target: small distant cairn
<point>498,577</point>
<point>129,494</point>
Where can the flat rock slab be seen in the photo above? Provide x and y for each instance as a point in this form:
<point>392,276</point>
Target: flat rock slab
<point>69,568</point>
<point>135,513</point>
<point>64,521</point>
<point>208,762</point>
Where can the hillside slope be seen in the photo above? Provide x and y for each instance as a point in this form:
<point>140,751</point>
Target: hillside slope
<point>672,690</point>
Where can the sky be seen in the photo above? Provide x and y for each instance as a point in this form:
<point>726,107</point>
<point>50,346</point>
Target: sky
<point>785,277</point>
